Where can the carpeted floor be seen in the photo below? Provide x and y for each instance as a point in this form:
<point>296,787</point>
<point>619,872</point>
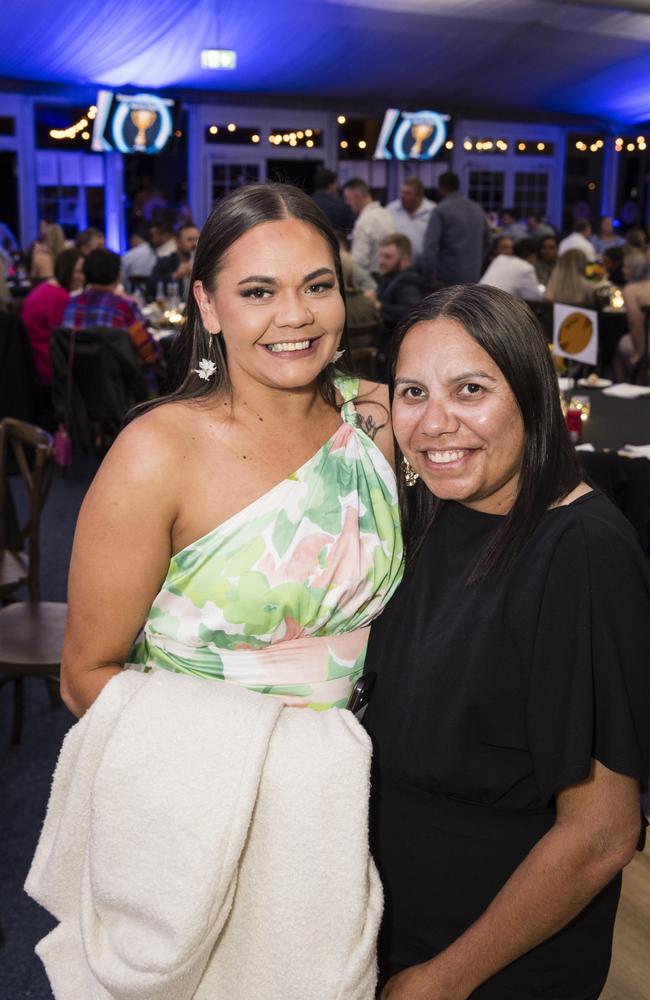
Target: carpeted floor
<point>25,770</point>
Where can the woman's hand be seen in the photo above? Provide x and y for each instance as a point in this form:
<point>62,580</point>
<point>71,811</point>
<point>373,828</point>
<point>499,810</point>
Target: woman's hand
<point>420,982</point>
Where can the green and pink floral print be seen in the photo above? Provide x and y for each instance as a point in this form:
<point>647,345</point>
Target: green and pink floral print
<point>279,598</point>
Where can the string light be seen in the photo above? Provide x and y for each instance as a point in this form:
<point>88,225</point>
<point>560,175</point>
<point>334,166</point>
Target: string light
<point>231,127</point>
<point>213,130</point>
<point>73,130</point>
<point>541,147</point>
<point>341,119</point>
<point>449,144</point>
<point>630,147</point>
<point>467,145</point>
<point>309,143</point>
<point>521,146</point>
<point>255,138</point>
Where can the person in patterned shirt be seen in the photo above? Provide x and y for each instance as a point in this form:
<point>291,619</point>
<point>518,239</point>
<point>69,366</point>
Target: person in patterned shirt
<point>100,305</point>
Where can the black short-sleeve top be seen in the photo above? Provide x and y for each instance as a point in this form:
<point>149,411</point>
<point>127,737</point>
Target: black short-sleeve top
<point>500,693</point>
<point>489,699</point>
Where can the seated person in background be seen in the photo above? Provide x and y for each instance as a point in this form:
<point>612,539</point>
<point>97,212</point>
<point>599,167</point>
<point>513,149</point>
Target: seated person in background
<point>400,287</point>
<point>99,305</point>
<point>45,305</point>
<point>579,240</point>
<point>515,273</point>
<point>44,251</point>
<point>139,261</point>
<point>606,237</point>
<point>568,283</point>
<point>326,196</point>
<point>612,262</point>
<point>361,306</point>
<point>89,239</point>
<point>510,227</point>
<point>502,245</point>
<point>161,237</point>
<point>537,228</point>
<point>636,295</point>
<point>176,266</point>
<point>546,259</point>
<point>636,239</point>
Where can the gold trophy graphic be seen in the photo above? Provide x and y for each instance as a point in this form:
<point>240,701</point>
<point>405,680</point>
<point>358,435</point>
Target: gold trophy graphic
<point>142,118</point>
<point>420,133</point>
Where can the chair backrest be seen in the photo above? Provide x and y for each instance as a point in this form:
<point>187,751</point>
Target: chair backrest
<point>106,378</point>
<point>31,449</point>
<point>365,361</point>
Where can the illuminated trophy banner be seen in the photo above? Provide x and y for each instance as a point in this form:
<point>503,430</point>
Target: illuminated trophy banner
<point>411,135</point>
<point>132,123</point>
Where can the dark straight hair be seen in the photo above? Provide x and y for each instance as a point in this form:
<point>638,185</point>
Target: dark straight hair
<point>232,216</point>
<point>507,330</point>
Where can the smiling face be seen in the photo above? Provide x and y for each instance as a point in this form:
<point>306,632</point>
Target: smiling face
<point>456,418</point>
<point>277,304</point>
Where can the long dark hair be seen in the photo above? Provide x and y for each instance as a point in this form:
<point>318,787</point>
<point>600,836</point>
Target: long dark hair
<point>507,330</point>
<point>233,216</point>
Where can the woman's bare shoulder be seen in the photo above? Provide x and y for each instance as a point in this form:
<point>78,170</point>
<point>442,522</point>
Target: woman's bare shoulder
<point>373,406</point>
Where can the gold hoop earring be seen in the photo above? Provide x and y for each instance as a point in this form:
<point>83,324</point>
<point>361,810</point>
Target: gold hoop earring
<point>410,475</point>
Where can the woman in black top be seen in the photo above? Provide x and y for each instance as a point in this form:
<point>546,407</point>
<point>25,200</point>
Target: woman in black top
<point>511,712</point>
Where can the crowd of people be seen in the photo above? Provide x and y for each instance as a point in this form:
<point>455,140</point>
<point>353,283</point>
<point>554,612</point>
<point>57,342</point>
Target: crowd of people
<point>436,533</point>
<point>392,256</point>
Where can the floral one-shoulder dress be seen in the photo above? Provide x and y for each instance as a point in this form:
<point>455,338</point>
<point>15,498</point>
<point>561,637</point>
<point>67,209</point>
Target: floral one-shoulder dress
<point>279,598</point>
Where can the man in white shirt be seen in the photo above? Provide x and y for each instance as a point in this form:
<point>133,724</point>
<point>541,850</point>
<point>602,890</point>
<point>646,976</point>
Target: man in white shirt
<point>411,213</point>
<point>579,240</point>
<point>372,225</point>
<point>138,262</point>
<point>515,273</point>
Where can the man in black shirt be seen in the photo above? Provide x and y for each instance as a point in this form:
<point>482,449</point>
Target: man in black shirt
<point>400,287</point>
<point>327,198</point>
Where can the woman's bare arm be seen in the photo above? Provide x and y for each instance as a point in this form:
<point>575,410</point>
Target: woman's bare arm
<point>594,836</point>
<point>120,556</point>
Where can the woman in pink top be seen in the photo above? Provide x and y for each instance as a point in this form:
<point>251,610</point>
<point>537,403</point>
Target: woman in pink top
<point>44,307</point>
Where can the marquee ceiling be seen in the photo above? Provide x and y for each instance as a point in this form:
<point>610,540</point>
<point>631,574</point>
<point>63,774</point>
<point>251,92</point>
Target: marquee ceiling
<point>587,58</point>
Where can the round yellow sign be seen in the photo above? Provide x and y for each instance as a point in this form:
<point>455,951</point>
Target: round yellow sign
<point>575,333</point>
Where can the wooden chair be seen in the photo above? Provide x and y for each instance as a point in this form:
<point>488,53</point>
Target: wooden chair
<point>31,632</point>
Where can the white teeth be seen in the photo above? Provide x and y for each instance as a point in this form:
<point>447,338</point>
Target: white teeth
<point>295,345</point>
<point>443,457</point>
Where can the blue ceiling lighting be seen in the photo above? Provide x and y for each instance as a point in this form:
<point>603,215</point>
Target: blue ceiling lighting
<point>482,56</point>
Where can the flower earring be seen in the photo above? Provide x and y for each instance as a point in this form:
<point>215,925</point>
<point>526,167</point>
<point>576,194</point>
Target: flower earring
<point>206,367</point>
<point>410,475</point>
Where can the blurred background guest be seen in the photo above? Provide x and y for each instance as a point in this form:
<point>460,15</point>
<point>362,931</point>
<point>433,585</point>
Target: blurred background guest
<point>372,223</point>
<point>546,258</point>
<point>606,237</point>
<point>100,306</point>
<point>400,286</point>
<point>515,273</point>
<point>326,195</point>
<point>139,261</point>
<point>637,239</point>
<point>411,212</point>
<point>502,245</point>
<point>43,252</point>
<point>176,266</point>
<point>579,239</point>
<point>161,236</point>
<point>568,283</point>
<point>45,305</point>
<point>89,239</point>
<point>612,261</point>
<point>537,227</point>
<point>511,227</point>
<point>636,295</point>
<point>457,240</point>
